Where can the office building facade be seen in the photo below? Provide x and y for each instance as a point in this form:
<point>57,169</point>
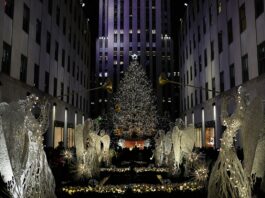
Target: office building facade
<point>221,47</point>
<point>45,50</point>
<point>139,27</point>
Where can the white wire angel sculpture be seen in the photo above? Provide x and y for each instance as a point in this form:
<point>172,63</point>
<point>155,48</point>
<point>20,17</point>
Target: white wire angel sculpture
<point>228,179</point>
<point>21,135</point>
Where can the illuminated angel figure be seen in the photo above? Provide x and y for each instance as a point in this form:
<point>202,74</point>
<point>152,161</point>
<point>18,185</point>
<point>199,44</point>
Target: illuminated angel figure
<point>228,179</point>
<point>21,138</point>
<point>183,142</point>
<point>159,147</point>
<point>91,148</point>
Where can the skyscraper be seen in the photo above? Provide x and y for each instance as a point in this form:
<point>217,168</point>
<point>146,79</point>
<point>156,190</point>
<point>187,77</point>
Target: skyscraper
<point>129,27</point>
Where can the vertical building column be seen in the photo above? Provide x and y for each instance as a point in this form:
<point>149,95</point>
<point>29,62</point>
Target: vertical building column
<point>203,128</point>
<point>83,119</point>
<point>75,119</point>
<point>65,136</point>
<point>51,138</point>
<point>215,125</point>
<point>192,117</point>
<point>185,121</point>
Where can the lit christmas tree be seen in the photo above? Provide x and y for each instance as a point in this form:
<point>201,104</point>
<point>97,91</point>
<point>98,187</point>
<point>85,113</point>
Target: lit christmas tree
<point>135,112</point>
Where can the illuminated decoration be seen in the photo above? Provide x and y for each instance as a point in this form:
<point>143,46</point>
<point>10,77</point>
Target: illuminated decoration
<point>91,148</point>
<point>68,155</point>
<point>151,169</point>
<point>228,179</point>
<point>115,170</point>
<point>163,147</point>
<point>135,188</point>
<point>136,118</point>
<point>209,137</point>
<point>131,144</point>
<point>23,162</point>
<point>200,173</point>
<point>159,148</point>
<point>183,142</point>
<point>117,108</point>
<point>134,57</point>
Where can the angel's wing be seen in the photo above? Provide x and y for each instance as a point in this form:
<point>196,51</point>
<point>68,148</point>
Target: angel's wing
<point>252,128</point>
<point>79,141</point>
<point>106,143</point>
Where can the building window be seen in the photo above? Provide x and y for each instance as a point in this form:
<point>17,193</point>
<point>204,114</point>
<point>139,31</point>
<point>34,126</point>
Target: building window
<point>68,63</point>
<point>230,31</point>
<point>245,68</point>
<point>9,8</point>
<point>58,16</point>
<point>115,38</point>
<point>187,77</point>
<point>190,73</point>
<point>62,91</point>
<point>70,35</point>
<point>213,87</point>
<point>48,42</point>
<point>196,98</point>
<point>199,34</point>
<point>56,51</point>
<point>205,58</point>
<point>68,93</point>
<point>188,102</point>
<point>6,59</point>
<point>73,71</point>
<point>76,100</point>
<point>38,31</point>
<point>212,50</point>
<point>204,25</point>
<point>36,75</point>
<point>219,6</point>
<point>23,68</point>
<point>64,25</point>
<point>200,95</point>
<point>259,7</point>
<point>232,75</point>
<point>194,41</point>
<point>63,57</point>
<point>138,14</point>
<point>206,91</point>
<point>210,15</point>
<point>261,57</point>
<point>73,98</point>
<point>26,18</point>
<point>200,63</point>
<point>222,82</point>
<point>47,82</point>
<point>55,87</point>
<point>195,69</point>
<point>220,41</point>
<point>190,46</point>
<point>50,7</point>
<point>191,100</point>
<point>242,18</point>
